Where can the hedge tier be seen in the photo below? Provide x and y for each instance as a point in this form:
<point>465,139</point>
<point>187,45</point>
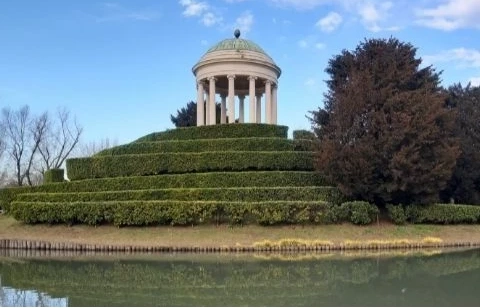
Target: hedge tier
<point>249,194</point>
<point>443,214</point>
<point>139,213</point>
<point>192,180</point>
<point>219,131</point>
<point>151,164</point>
<point>210,145</point>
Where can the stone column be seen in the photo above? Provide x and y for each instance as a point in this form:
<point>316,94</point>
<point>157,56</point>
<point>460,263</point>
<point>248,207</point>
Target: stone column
<point>223,108</point>
<point>258,112</point>
<point>207,108</point>
<point>268,102</point>
<point>241,108</point>
<point>231,98</point>
<point>211,104</point>
<point>200,104</point>
<point>251,98</point>
<point>274,103</point>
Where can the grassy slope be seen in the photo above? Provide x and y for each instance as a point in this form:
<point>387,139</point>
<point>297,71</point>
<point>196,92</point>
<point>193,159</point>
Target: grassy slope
<point>229,236</point>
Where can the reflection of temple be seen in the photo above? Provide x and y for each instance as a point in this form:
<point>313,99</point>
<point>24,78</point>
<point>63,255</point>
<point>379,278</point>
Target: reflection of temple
<point>236,68</point>
<point>10,297</point>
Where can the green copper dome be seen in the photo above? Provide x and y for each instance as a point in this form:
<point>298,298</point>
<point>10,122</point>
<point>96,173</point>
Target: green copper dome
<point>237,44</point>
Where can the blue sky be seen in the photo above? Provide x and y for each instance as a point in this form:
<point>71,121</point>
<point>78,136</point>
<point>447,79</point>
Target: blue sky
<point>122,67</point>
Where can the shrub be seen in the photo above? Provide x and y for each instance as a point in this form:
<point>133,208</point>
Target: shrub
<point>443,214</point>
<point>139,213</point>
<point>219,131</point>
<point>210,145</point>
<point>397,214</point>
<point>303,134</point>
<point>192,180</point>
<point>151,164</point>
<point>54,176</point>
<point>358,212</point>
<point>249,194</point>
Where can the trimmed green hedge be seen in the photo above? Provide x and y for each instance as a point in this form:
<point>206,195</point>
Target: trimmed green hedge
<point>219,131</point>
<point>210,145</point>
<point>54,176</point>
<point>250,194</point>
<point>191,180</point>
<point>151,164</point>
<point>303,134</point>
<point>139,213</point>
<point>443,214</point>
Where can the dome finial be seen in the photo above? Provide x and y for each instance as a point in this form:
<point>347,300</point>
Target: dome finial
<point>236,33</point>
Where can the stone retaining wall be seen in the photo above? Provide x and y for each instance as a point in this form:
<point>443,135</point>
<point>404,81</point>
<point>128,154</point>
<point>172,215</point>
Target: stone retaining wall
<point>76,247</point>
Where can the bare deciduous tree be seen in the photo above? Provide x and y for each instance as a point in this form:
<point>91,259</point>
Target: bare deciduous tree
<point>89,149</point>
<point>62,137</point>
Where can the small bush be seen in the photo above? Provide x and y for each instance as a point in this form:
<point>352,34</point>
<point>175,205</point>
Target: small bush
<point>397,214</point>
<point>358,212</point>
<point>219,131</point>
<point>54,176</point>
<point>152,164</point>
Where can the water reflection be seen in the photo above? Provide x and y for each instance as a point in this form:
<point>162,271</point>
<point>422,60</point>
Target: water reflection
<point>448,279</point>
<point>10,297</point>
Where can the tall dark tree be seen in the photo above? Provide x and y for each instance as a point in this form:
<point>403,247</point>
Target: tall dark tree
<point>464,186</point>
<point>385,136</point>
<point>187,116</point>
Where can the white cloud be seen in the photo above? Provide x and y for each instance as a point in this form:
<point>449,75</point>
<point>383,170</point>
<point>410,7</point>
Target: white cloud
<point>204,42</point>
<point>372,14</point>
<point>451,15</point>
<point>203,10</point>
<point>193,8</point>
<point>300,4</point>
<point>244,22</point>
<point>475,81</point>
<point>463,57</point>
<point>209,19</point>
<point>330,22</point>
<point>302,44</point>
<point>320,46</point>
<point>310,82</point>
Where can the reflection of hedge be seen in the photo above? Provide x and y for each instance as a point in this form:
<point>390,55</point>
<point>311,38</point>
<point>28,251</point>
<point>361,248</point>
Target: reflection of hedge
<point>192,180</point>
<point>219,131</point>
<point>250,283</point>
<point>138,213</point>
<point>209,145</point>
<point>250,194</point>
<point>150,164</point>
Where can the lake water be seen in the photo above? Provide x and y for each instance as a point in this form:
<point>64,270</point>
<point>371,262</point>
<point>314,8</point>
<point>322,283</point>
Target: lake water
<point>410,279</point>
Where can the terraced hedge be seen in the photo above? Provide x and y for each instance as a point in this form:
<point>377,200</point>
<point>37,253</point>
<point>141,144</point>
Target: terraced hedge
<point>151,164</point>
<point>168,212</point>
<point>192,180</point>
<point>219,131</point>
<point>250,194</point>
<point>210,145</point>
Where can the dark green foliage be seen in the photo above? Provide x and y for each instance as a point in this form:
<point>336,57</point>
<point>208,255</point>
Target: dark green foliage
<point>210,145</point>
<point>443,214</point>
<point>187,116</point>
<point>151,164</point>
<point>464,186</point>
<point>397,214</point>
<point>303,134</point>
<point>168,212</point>
<point>358,212</point>
<point>192,180</point>
<point>244,130</point>
<point>249,194</point>
<point>384,134</point>
<point>53,176</point>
